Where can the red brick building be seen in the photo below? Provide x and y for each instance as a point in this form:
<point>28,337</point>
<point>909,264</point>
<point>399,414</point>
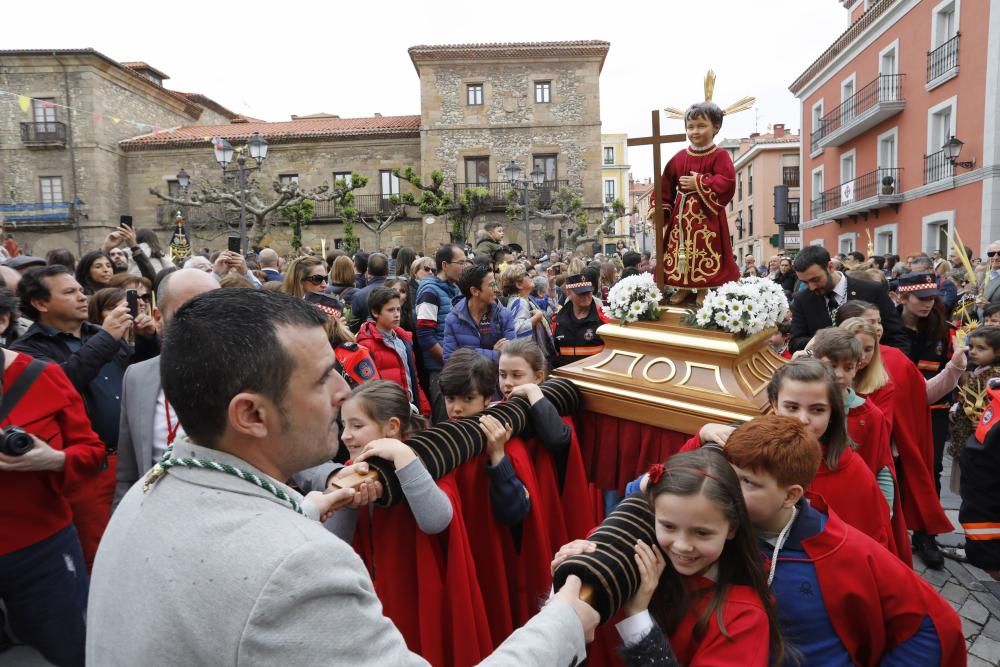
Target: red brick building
<point>879,108</point>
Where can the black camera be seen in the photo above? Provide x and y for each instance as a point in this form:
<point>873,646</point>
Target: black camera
<point>15,441</point>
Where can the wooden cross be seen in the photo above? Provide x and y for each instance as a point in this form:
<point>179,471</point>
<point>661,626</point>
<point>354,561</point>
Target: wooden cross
<point>655,140</point>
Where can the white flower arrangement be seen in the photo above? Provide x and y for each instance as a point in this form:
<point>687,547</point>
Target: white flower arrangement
<point>744,307</point>
<point>635,298</point>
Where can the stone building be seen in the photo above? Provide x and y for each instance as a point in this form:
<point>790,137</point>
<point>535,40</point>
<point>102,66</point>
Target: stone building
<point>62,114</point>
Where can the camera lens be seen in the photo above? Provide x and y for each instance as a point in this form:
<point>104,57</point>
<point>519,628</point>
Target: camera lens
<point>15,441</point>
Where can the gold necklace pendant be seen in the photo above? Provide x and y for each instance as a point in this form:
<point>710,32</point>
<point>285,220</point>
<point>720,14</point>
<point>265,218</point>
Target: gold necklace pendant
<point>153,477</point>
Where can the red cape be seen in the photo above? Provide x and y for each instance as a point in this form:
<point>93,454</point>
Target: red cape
<point>874,602</point>
<point>513,582</point>
<point>427,583</point>
<point>852,492</point>
<point>569,509</point>
<point>745,623</point>
<point>913,438</point>
<point>870,431</point>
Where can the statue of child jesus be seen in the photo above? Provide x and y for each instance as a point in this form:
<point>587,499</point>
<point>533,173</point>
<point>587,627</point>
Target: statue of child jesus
<point>698,183</point>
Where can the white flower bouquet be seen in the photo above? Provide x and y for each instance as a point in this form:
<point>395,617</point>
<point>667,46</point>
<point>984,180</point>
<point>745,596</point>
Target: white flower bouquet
<point>635,298</point>
<point>744,307</point>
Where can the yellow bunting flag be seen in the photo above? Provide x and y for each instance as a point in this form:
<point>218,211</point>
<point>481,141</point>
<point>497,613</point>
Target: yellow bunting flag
<point>24,102</point>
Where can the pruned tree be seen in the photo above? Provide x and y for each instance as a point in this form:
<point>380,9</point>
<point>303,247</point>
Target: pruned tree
<point>343,198</point>
<point>473,202</point>
<point>434,199</point>
<point>612,212</point>
<point>565,207</point>
<point>259,209</point>
<point>390,211</point>
<point>298,216</point>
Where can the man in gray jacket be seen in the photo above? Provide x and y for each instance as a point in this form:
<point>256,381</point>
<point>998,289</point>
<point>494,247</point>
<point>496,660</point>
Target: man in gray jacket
<point>210,561</point>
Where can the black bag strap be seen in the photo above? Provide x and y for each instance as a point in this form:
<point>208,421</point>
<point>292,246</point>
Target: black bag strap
<point>20,387</point>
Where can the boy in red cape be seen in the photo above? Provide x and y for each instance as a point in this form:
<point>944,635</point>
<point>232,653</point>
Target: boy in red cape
<point>500,495</point>
<point>879,610</point>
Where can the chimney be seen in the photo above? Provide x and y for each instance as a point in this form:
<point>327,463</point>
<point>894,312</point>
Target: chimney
<point>779,130</point>
<point>378,115</point>
<point>754,136</point>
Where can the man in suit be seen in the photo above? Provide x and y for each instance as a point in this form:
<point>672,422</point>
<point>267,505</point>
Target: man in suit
<point>211,563</point>
<point>147,424</point>
<point>827,290</point>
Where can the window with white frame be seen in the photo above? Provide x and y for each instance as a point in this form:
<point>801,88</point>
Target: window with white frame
<point>543,92</point>
<point>288,179</point>
<point>885,239</point>
<point>944,22</point>
<point>817,182</point>
<point>847,98</point>
<point>344,176</point>
<point>888,150</point>
<point>389,183</point>
<point>750,180</point>
<point>609,190</point>
<point>940,124</point>
<point>888,60</point>
<point>474,94</point>
<point>937,228</point>
<point>50,189</point>
<point>846,242</point>
<point>609,155</point>
<point>847,193</point>
<point>817,116</point>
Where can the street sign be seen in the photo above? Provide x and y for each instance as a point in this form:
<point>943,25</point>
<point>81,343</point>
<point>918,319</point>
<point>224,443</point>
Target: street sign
<point>793,239</point>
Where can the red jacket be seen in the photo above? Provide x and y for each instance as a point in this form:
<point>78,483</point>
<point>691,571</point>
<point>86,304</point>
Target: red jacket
<point>388,363</point>
<point>35,505</point>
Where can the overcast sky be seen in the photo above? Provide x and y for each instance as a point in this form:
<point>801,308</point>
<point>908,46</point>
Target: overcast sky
<point>349,58</point>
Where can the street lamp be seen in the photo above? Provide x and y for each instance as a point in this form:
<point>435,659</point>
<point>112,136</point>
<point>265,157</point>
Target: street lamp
<point>513,173</point>
<point>952,148</point>
<point>257,147</point>
<point>183,180</point>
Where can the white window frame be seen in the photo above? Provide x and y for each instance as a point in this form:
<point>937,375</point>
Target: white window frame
<point>894,133</point>
<point>477,99</point>
<point>849,238</point>
<point>894,49</point>
<point>886,231</point>
<point>604,157</point>
<point>936,38</point>
<point>851,155</point>
<point>346,176</point>
<point>933,221</point>
<point>821,170</point>
<point>818,110</point>
<point>543,91</point>
<point>288,178</point>
<point>614,190</point>
<point>952,103</point>
<point>847,113</point>
<point>393,183</point>
<point>51,182</point>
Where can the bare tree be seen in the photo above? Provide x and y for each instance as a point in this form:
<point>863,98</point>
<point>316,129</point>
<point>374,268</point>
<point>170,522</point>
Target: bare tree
<point>258,208</point>
<point>390,211</point>
<point>565,207</point>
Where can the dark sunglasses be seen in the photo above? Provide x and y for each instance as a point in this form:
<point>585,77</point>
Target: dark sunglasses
<point>993,253</point>
<point>315,280</point>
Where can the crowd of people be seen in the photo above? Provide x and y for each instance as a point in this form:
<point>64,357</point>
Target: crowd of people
<point>177,436</point>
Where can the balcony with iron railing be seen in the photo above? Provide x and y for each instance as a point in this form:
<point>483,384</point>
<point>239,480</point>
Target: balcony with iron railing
<point>877,101</point>
<point>37,215</point>
<point>498,192</point>
<point>790,176</point>
<point>942,62</point>
<point>867,193</point>
<point>50,133</point>
<point>937,167</point>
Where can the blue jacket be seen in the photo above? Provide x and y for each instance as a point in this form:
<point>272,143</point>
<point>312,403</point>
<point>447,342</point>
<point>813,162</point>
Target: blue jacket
<point>434,300</point>
<point>461,331</point>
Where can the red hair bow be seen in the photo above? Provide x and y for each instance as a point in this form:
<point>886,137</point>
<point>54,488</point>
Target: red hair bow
<point>656,473</point>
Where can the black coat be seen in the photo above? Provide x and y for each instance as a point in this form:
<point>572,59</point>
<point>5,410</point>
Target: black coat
<point>810,313</point>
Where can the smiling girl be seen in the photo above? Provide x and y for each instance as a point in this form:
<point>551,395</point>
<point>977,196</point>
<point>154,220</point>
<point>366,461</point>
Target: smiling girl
<point>703,596</point>
<point>416,552</point>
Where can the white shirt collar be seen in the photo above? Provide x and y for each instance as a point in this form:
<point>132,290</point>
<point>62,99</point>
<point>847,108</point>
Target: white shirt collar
<point>840,289</point>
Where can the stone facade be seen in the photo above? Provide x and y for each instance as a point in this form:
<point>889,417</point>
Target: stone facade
<point>111,170</point>
<point>89,163</point>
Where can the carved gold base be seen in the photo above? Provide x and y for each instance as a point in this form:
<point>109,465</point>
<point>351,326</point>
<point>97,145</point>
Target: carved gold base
<point>674,376</point>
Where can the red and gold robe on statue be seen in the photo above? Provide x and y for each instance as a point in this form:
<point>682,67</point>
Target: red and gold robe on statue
<point>698,217</point>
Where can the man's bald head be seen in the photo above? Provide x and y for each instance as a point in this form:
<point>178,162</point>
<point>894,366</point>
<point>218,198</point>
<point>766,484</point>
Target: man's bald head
<point>267,258</point>
<point>11,277</point>
<point>179,287</point>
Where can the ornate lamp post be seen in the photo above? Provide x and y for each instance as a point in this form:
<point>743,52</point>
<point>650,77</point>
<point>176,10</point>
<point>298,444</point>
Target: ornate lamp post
<point>513,173</point>
<point>257,147</point>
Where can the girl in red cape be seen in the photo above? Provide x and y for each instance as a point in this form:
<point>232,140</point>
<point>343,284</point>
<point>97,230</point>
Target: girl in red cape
<point>905,401</point>
<point>702,597</point>
<point>417,552</point>
<point>571,503</point>
<point>807,390</point>
<point>871,429</point>
<point>502,501</point>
